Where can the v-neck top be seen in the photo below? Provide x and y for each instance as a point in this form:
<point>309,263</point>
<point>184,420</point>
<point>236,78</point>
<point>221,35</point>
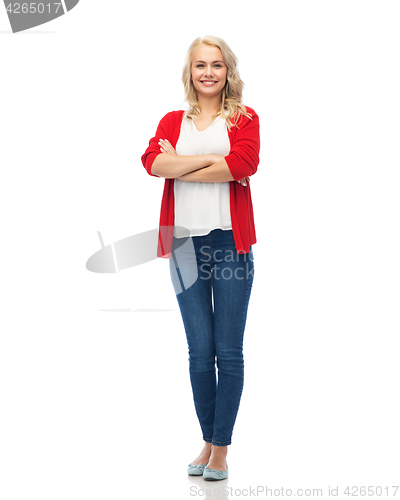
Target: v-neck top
<point>242,160</point>
<point>201,207</point>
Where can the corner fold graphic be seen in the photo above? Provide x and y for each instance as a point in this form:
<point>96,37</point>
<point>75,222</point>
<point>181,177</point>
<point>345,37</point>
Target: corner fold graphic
<point>129,252</point>
<point>141,248</point>
<point>70,4</point>
<point>23,16</point>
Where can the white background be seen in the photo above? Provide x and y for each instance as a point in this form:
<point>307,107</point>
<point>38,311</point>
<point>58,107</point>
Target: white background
<point>96,402</point>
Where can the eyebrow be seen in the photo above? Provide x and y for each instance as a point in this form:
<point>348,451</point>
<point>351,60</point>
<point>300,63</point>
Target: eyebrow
<point>204,61</point>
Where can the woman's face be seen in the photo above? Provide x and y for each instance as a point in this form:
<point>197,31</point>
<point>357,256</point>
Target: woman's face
<point>208,71</point>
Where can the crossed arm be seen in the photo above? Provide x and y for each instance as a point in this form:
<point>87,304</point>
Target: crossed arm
<point>196,168</point>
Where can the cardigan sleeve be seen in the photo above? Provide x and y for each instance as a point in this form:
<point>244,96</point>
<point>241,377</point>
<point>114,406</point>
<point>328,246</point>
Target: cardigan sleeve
<point>153,149</point>
<point>243,158</point>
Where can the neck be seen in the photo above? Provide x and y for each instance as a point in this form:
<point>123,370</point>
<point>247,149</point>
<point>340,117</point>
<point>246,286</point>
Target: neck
<point>209,105</point>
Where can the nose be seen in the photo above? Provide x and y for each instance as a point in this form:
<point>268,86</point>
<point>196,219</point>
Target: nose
<point>208,70</point>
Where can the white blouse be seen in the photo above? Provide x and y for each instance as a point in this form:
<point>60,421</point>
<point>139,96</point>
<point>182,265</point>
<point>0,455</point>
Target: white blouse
<point>201,207</point>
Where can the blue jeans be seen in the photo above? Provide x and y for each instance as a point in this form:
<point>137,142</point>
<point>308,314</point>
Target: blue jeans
<point>214,310</point>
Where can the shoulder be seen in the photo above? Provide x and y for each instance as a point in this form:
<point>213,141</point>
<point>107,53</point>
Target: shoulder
<point>250,111</point>
<point>244,120</point>
<point>172,117</point>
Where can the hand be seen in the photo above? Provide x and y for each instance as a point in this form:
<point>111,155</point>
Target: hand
<point>166,147</point>
<point>244,182</point>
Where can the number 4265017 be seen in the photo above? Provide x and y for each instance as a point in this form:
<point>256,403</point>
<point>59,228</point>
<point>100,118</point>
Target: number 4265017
<point>32,8</point>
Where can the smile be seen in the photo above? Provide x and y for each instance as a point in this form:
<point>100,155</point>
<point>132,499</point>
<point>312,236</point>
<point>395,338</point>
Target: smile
<point>208,82</point>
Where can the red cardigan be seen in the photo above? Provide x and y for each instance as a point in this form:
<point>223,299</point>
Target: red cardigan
<point>242,161</point>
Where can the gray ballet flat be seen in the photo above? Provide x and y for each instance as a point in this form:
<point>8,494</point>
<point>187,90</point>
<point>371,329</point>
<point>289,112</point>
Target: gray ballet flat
<point>215,475</point>
<point>195,470</point>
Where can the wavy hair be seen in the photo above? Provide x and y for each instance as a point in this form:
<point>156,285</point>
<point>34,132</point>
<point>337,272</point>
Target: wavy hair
<point>231,97</point>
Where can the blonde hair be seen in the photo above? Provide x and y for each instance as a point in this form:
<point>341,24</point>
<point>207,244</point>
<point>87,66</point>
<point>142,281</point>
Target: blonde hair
<point>231,97</point>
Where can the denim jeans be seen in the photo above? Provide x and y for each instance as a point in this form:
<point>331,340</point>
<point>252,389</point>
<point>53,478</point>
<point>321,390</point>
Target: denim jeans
<point>214,310</point>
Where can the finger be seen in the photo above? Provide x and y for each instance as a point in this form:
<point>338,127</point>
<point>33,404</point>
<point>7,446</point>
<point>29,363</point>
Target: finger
<point>167,147</point>
<point>166,143</point>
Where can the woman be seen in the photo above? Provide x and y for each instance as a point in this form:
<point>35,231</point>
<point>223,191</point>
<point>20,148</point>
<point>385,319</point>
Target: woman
<point>206,155</point>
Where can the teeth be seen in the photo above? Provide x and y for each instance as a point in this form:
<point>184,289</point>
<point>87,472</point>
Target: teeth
<point>209,83</point>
